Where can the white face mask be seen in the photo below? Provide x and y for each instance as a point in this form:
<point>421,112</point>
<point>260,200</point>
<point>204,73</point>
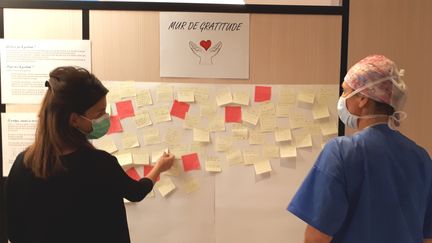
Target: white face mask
<point>346,116</point>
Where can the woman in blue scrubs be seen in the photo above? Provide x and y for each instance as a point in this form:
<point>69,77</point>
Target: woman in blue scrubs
<point>376,185</point>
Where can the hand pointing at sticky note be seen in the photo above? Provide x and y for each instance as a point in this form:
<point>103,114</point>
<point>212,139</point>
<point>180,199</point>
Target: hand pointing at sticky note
<point>164,163</point>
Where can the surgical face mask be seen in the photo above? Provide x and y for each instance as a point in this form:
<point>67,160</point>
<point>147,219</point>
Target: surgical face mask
<point>100,126</point>
<point>346,116</point>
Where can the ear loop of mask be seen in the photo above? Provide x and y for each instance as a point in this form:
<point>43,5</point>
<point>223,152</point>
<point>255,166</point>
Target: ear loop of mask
<point>397,116</point>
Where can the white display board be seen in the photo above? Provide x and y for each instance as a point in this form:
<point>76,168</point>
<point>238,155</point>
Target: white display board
<point>238,203</point>
<point>204,45</point>
<point>26,64</point>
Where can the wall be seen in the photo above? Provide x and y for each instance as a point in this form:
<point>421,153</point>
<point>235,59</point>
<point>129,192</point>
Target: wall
<point>401,30</point>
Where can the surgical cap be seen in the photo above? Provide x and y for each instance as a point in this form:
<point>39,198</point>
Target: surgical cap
<point>379,79</point>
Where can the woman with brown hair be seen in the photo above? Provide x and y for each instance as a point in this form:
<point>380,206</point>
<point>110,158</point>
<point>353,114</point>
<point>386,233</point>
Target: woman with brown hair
<point>62,189</point>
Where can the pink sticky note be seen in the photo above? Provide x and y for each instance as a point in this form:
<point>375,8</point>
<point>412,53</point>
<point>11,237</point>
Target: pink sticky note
<point>132,173</point>
<point>115,125</point>
<point>148,169</point>
<point>179,109</point>
<point>233,114</point>
<point>125,109</point>
<point>262,93</point>
<point>191,162</point>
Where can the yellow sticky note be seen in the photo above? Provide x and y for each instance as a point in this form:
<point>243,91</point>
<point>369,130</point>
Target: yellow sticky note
<point>266,108</point>
<point>198,147</point>
<point>130,141</point>
<point>286,96</point>
<point>303,140</point>
<point>174,170</point>
<point>223,143</point>
<point>329,128</point>
<point>208,109</point>
<point>161,114</point>
<point>234,157</point>
<point>288,151</point>
<point>164,93</point>
<point>306,97</point>
<point>106,144</point>
<point>262,166</point>
<point>201,95</point>
<point>142,120</point>
<point>241,98</point>
<point>283,134</point>
<point>190,184</point>
<point>239,131</point>
<point>224,98</point>
<point>200,135</point>
<point>127,89</point>
<point>191,121</point>
<point>268,123</point>
<point>165,186</point>
<point>251,156</point>
<point>250,116</point>
<point>143,98</point>
<point>213,165</point>
<point>186,95</point>
<point>320,111</point>
<point>114,95</point>
<point>151,136</point>
<point>256,137</point>
<point>298,120</point>
<point>173,137</point>
<point>124,159</point>
<point>156,154</point>
<point>283,110</point>
<point>141,158</point>
<point>217,124</point>
<point>179,151</point>
<point>271,151</point>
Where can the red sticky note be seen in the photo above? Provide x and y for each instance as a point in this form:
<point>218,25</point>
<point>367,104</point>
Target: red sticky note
<point>147,169</point>
<point>132,173</point>
<point>179,109</point>
<point>233,114</point>
<point>115,125</point>
<point>191,162</point>
<point>262,93</point>
<point>125,109</point>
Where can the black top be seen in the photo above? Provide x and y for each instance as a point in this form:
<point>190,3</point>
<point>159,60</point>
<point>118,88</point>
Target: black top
<point>83,204</point>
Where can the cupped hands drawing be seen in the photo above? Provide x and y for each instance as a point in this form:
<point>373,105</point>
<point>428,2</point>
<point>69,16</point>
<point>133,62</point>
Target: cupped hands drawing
<point>205,51</point>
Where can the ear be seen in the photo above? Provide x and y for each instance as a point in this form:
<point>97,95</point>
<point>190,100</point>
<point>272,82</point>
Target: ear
<point>363,101</point>
<point>74,119</point>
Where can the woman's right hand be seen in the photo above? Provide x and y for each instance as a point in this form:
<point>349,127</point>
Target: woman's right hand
<point>165,162</point>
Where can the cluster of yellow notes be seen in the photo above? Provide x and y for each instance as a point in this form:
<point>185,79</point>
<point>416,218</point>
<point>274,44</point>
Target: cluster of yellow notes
<point>249,125</point>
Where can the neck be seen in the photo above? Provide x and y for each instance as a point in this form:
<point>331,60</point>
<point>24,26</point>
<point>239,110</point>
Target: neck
<point>367,122</point>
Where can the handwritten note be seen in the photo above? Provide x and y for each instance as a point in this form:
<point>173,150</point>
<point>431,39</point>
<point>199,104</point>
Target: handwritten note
<point>262,166</point>
<point>224,98</point>
<point>143,119</point>
<point>130,141</point>
<point>223,143</point>
<point>306,96</point>
<point>200,135</point>
<point>256,137</point>
<point>288,151</point>
<point>234,157</point>
<point>125,109</point>
<point>143,98</point>
<point>191,121</point>
<point>303,140</point>
<point>106,144</point>
<point>286,96</point>
<point>241,98</point>
<point>268,123</point>
<point>251,156</point>
<point>250,116</point>
<point>283,134</point>
<point>161,114</point>
<point>124,159</point>
<point>186,95</point>
<point>191,162</point>
<point>208,109</point>
<point>151,136</point>
<point>262,93</point>
<point>164,93</point>
<point>239,131</point>
<point>271,151</point>
<point>179,109</point>
<point>217,124</point>
<point>266,108</point>
<point>141,158</point>
<point>213,165</point>
<point>165,186</point>
<point>320,111</point>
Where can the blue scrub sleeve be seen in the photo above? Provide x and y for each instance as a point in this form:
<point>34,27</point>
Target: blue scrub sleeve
<point>321,201</point>
<point>427,226</point>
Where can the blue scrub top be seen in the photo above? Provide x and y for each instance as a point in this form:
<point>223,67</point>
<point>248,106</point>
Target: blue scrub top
<point>372,187</point>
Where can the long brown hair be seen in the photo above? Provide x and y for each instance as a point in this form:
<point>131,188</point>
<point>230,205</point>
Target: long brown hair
<point>70,90</point>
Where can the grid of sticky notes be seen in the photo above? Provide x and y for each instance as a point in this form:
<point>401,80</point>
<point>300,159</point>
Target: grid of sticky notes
<point>212,127</point>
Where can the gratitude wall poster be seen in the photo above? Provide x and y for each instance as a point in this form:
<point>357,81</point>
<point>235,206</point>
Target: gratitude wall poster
<point>204,45</point>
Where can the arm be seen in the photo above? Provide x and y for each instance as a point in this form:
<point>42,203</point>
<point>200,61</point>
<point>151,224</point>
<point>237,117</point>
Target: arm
<point>313,235</point>
<point>164,163</point>
<point>427,241</point>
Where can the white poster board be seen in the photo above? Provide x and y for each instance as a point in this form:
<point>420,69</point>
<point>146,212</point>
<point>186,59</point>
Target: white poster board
<point>204,45</point>
<point>25,66</point>
<point>18,132</point>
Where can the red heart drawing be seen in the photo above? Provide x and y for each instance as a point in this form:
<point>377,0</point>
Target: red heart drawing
<point>205,44</point>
